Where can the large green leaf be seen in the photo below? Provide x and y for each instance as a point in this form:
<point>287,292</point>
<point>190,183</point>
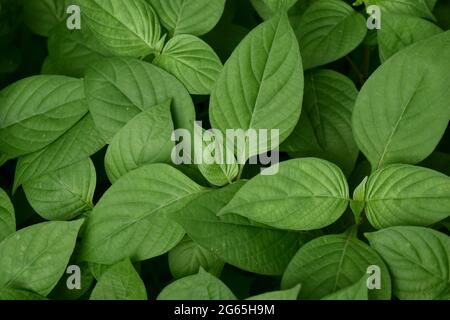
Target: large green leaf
<point>330,263</point>
<point>144,139</point>
<point>290,294</point>
<point>261,249</point>
<point>120,282</point>
<point>65,193</point>
<point>194,17</point>
<point>188,257</point>
<point>305,194</point>
<point>43,15</point>
<point>357,291</point>
<point>126,27</point>
<point>71,51</point>
<point>201,286</point>
<point>390,122</point>
<point>192,61</point>
<point>78,143</point>
<point>418,259</point>
<point>129,221</point>
<point>324,129</point>
<point>399,31</point>
<point>7,217</point>
<point>261,85</point>
<point>118,89</point>
<point>407,195</point>
<point>35,258</point>
<point>327,31</point>
<point>37,111</point>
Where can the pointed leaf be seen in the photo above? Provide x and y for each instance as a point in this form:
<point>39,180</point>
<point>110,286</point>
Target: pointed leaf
<point>305,194</point>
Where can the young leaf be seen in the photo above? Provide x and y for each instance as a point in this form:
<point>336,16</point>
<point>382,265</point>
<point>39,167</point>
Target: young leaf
<point>290,294</point>
<point>188,257</point>
<point>35,258</point>
<point>118,89</point>
<point>194,17</point>
<point>126,27</point>
<point>213,162</point>
<point>43,15</point>
<point>390,122</point>
<point>78,143</point>
<point>63,194</point>
<point>72,51</point>
<point>327,31</point>
<point>129,221</point>
<point>36,111</point>
<point>261,249</point>
<point>202,286</point>
<point>120,282</point>
<point>324,129</point>
<point>306,194</point>
<point>7,216</point>
<point>357,291</point>
<point>407,195</point>
<point>144,139</point>
<point>330,263</point>
<point>418,259</point>
<point>399,31</point>
<point>261,85</point>
<point>192,61</point>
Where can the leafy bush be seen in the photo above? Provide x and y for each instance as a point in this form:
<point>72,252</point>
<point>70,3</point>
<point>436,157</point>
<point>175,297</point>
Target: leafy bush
<point>358,207</point>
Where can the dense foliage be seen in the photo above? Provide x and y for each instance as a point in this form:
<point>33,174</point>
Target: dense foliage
<point>92,205</point>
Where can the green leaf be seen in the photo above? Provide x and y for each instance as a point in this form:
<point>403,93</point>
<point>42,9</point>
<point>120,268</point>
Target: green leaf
<point>290,294</point>
<point>201,286</point>
<point>120,282</point>
<point>118,89</point>
<point>129,220</point>
<point>324,129</point>
<point>126,27</point>
<point>19,295</point>
<point>7,216</point>
<point>263,76</point>
<point>188,257</point>
<point>194,17</point>
<point>213,162</point>
<point>327,31</point>
<point>267,8</point>
<point>418,259</point>
<point>192,61</point>
<point>35,258</point>
<point>144,139</point>
<point>63,194</point>
<point>357,291</point>
<point>43,15</point>
<point>330,263</point>
<point>306,194</point>
<point>261,249</point>
<point>399,31</point>
<point>419,8</point>
<point>407,195</point>
<point>390,122</point>
<point>72,51</point>
<point>38,110</point>
<point>78,143</point>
